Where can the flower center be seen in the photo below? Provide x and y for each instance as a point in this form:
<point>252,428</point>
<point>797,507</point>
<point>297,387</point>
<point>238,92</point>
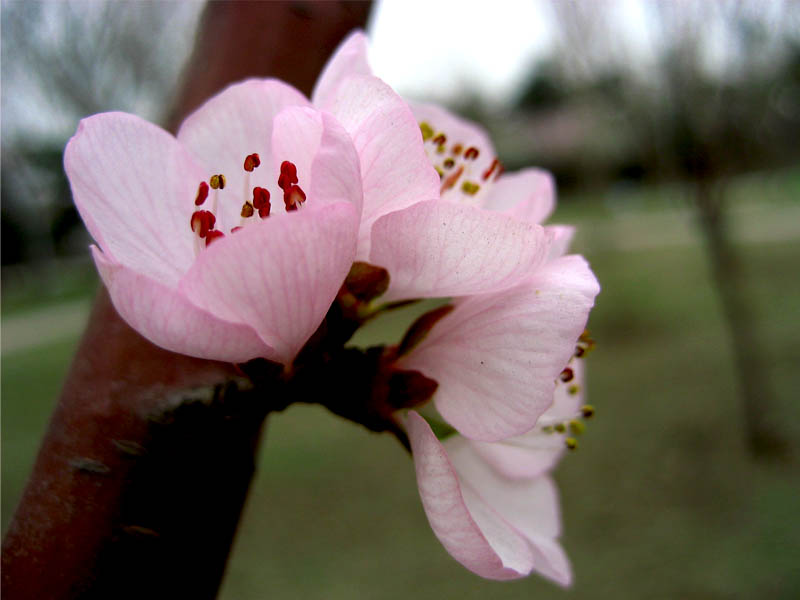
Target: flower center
<point>457,166</point>
<point>256,200</point>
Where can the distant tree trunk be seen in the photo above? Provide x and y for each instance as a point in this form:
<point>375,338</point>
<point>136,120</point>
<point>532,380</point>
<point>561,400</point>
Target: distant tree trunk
<point>751,367</point>
<point>142,476</point>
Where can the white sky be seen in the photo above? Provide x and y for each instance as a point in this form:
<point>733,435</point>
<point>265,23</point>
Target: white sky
<point>438,48</point>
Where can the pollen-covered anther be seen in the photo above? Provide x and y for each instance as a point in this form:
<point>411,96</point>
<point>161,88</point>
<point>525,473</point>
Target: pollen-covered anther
<point>470,188</point>
<point>213,235</point>
<point>251,161</point>
<point>448,163</point>
<point>440,139</point>
<point>247,210</point>
<point>294,197</point>
<point>217,182</point>
<point>261,201</point>
<point>427,131</point>
<point>202,193</point>
<point>567,375</point>
<point>202,222</point>
<point>571,443</point>
<point>587,411</point>
<point>471,153</point>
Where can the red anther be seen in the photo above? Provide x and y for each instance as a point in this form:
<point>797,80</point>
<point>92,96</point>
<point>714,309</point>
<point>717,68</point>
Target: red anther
<point>471,153</point>
<point>251,161</point>
<point>237,228</point>
<point>288,175</point>
<point>202,193</point>
<point>263,212</point>
<point>293,197</point>
<point>440,139</point>
<point>488,172</point>
<point>260,197</point>
<point>457,149</point>
<point>567,375</point>
<point>213,235</point>
<point>448,163</point>
<point>202,222</point>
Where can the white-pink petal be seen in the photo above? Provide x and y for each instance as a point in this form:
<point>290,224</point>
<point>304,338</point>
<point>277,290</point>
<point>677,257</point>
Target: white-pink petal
<point>350,58</point>
<point>436,249</point>
<point>497,528</point>
<point>560,239</point>
<point>278,276</point>
<point>528,195</point>
<point>166,318</point>
<point>536,452</point>
<point>496,356</point>
<point>395,170</point>
<point>134,186</point>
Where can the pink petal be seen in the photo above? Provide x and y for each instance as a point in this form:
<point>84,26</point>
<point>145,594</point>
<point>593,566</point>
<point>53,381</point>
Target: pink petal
<point>134,186</point>
<point>498,553</point>
<point>396,171</point>
<point>529,506</point>
<point>528,195</point>
<point>436,248</point>
<point>279,275</point>
<point>496,356</point>
<point>166,318</point>
<point>233,124</point>
<point>349,59</point>
<point>560,239</point>
<point>536,452</point>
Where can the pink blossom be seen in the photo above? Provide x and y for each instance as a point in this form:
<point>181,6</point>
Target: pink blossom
<point>493,505</point>
<point>230,273</point>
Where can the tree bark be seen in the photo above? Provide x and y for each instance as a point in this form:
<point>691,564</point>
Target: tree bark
<point>139,484</point>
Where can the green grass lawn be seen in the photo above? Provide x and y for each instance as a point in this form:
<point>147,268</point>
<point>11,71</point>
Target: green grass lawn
<point>661,500</point>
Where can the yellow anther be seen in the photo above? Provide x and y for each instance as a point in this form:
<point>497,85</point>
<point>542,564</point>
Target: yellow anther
<point>576,427</point>
<point>547,429</point>
<point>587,410</point>
<point>217,182</point>
<point>560,427</point>
<point>440,149</point>
<point>573,389</point>
<point>571,443</point>
<point>440,171</point>
<point>470,188</point>
<point>247,210</point>
<point>427,131</point>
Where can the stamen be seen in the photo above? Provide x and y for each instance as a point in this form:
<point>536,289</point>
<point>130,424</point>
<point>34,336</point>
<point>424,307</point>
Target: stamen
<point>457,149</point>
<point>217,181</point>
<point>587,410</point>
<point>261,201</point>
<point>571,443</point>
<point>451,179</point>
<point>213,235</point>
<point>288,176</point>
<point>202,194</point>
<point>440,139</point>
<point>293,198</point>
<point>247,210</point>
<point>576,427</point>
<point>471,153</point>
<point>427,131</point>
<point>488,172</point>
<point>448,163</point>
<point>251,161</point>
<point>567,375</point>
<point>202,222</point>
<point>470,188</point>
